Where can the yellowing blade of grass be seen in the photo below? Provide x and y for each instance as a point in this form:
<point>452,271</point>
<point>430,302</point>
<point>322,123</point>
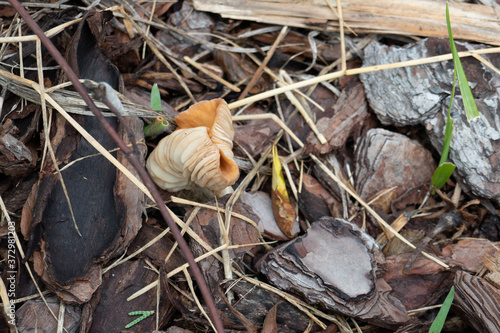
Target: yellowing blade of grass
<point>282,208</point>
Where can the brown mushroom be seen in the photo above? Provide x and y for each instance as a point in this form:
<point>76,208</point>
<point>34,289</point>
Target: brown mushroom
<point>198,152</point>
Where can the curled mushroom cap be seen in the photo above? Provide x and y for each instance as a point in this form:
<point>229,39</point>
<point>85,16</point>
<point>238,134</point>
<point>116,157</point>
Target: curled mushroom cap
<point>198,152</point>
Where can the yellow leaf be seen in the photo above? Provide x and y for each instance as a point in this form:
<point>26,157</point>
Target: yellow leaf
<point>282,208</point>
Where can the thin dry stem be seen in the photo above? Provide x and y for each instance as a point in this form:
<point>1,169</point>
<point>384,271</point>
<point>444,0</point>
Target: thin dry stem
<point>268,57</point>
<point>342,37</point>
<point>336,75</point>
<point>193,214</point>
<point>60,319</point>
<point>31,38</point>
<point>304,114</point>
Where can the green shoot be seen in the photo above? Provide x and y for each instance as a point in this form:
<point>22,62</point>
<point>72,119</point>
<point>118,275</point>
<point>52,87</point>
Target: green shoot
<point>445,169</point>
<point>469,103</point>
<point>438,323</point>
<point>158,125</point>
<point>155,98</point>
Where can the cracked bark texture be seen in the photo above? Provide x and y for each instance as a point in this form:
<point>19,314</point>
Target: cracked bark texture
<point>337,266</point>
<point>421,95</point>
<point>385,159</point>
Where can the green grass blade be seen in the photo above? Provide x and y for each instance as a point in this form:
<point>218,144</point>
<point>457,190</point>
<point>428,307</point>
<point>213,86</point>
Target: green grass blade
<point>155,98</point>
<point>469,103</point>
<point>438,323</point>
<point>448,132</point>
<point>442,174</point>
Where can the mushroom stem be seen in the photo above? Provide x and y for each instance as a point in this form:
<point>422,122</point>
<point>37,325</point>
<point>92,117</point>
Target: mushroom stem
<point>223,192</point>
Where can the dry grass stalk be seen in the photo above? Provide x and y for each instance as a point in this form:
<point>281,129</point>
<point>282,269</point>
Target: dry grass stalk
<point>148,244</point>
<point>143,290</point>
<point>69,100</point>
<point>31,38</point>
<point>268,57</point>
<point>356,71</point>
<point>60,319</point>
<point>200,205</point>
<point>475,22</point>
<point>183,230</point>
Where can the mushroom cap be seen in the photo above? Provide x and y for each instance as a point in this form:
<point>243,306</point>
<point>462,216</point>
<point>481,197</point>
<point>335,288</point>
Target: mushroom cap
<point>198,152</point>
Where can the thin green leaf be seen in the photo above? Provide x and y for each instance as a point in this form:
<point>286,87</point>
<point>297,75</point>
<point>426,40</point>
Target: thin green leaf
<point>442,174</point>
<point>469,103</point>
<point>438,323</point>
<point>155,98</point>
<point>448,132</point>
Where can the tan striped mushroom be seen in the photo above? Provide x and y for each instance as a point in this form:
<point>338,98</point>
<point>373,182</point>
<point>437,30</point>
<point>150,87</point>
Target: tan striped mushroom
<point>198,152</point>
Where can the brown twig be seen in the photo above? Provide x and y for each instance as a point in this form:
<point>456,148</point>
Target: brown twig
<point>134,160</point>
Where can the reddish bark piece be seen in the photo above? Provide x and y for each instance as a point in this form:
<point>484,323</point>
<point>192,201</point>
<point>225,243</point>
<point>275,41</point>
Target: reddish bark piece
<point>254,136</point>
<point>423,285</point>
<point>385,159</point>
<point>18,192</point>
<point>315,201</point>
<point>479,300</point>
<point>420,95</point>
<point>337,266</point>
<point>34,316</point>
<point>468,253</point>
<point>108,310</point>
<point>261,206</point>
<point>411,197</point>
<point>350,112</point>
